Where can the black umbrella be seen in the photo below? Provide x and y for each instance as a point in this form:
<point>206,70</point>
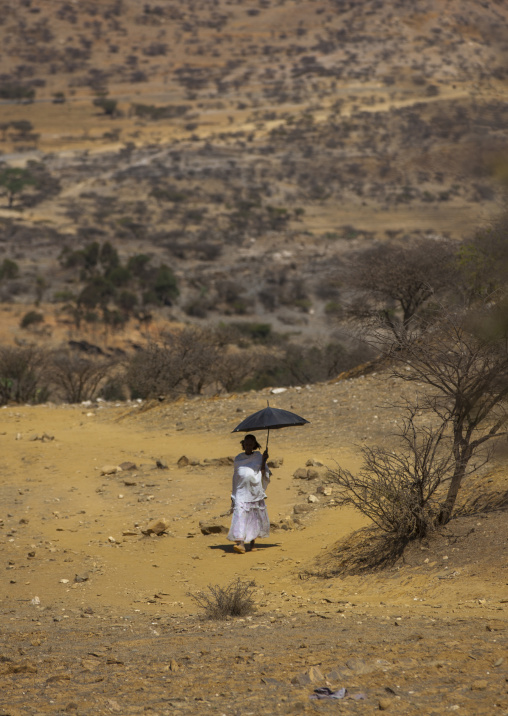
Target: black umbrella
<point>269,419</point>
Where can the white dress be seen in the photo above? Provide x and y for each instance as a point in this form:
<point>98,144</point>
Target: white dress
<point>250,517</point>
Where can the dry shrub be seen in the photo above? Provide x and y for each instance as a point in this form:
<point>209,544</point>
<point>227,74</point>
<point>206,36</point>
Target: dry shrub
<point>234,600</point>
<point>400,490</point>
<point>23,375</point>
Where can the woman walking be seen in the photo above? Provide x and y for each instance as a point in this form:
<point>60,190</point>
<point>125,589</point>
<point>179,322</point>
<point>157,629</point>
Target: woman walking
<point>250,480</point>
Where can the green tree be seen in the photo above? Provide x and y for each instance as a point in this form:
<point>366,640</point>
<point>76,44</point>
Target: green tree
<point>14,180</point>
<point>165,286</point>
<point>9,269</point>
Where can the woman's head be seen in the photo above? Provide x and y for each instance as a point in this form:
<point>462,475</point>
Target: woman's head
<point>249,443</point>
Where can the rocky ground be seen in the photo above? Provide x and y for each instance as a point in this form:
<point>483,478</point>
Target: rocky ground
<point>98,617</point>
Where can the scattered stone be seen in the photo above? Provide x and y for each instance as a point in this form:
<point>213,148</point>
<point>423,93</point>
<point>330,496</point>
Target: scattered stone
<point>479,685</point>
<point>384,704</point>
<point>112,540</point>
<point>157,527</point>
<point>312,499</point>
<point>24,667</point>
<point>311,676</point>
<point>278,391</point>
<point>161,465</point>
<point>301,474</point>
<point>185,461</point>
<point>130,533</point>
<point>302,508</point>
<point>173,666</point>
<point>324,490</point>
<point>127,466</point>
<point>64,581</point>
<point>359,666</point>
<point>275,462</point>
<point>82,577</point>
<point>212,528</point>
<point>110,469</point>
<point>311,462</point>
<point>287,524</point>
<point>58,677</point>
<point>218,461</point>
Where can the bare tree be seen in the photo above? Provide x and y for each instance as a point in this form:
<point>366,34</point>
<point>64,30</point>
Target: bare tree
<point>182,361</point>
<point>234,367</point>
<point>483,260</point>
<point>78,378</point>
<point>392,283</point>
<point>462,360</point>
<point>23,375</point>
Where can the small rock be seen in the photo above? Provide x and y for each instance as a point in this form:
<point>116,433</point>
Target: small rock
<point>127,466</point>
<point>479,685</point>
<point>110,469</point>
<point>212,528</point>
<point>218,461</point>
<point>157,527</point>
<point>302,508</point>
<point>323,490</point>
<point>313,463</point>
<point>300,474</point>
<point>359,666</point>
<point>185,461</point>
<point>173,666</point>
<point>384,704</point>
<point>22,668</point>
<point>112,540</point>
<point>64,581</point>
<point>82,577</point>
<point>312,499</point>
<point>58,677</point>
<point>275,462</point>
<point>312,676</point>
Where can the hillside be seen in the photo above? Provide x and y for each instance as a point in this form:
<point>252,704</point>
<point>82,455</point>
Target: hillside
<point>248,146</point>
<point>98,618</point>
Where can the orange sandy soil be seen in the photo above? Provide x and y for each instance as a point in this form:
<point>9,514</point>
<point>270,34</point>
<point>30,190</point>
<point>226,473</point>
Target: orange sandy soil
<point>426,636</point>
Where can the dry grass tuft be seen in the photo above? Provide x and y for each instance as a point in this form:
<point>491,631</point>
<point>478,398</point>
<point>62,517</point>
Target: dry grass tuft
<point>234,600</point>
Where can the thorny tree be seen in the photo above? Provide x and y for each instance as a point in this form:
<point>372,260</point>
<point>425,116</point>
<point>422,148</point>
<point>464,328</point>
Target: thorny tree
<point>398,490</point>
<point>462,359</point>
<point>393,283</point>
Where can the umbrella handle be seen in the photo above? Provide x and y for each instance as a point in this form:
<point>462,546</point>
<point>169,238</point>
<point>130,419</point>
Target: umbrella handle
<point>267,438</point>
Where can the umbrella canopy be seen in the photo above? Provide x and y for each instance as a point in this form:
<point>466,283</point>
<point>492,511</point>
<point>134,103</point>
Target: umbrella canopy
<point>269,419</point>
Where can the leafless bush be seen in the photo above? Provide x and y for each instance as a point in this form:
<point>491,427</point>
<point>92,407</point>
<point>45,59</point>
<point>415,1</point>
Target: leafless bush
<point>397,489</point>
<point>77,378</point>
<point>234,600</point>
<point>181,362</point>
<point>23,375</point>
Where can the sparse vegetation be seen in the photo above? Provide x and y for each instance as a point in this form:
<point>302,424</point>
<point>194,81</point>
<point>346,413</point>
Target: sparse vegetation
<point>234,600</point>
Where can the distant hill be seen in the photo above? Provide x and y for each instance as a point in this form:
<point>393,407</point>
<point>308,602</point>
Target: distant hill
<point>245,146</point>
